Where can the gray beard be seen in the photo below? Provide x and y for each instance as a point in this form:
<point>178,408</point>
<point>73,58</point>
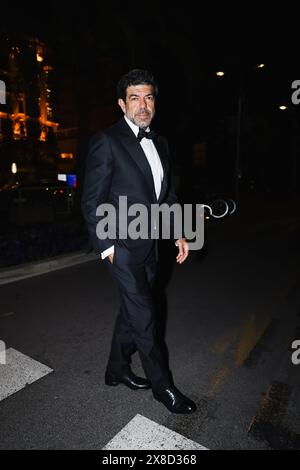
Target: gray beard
<point>142,125</point>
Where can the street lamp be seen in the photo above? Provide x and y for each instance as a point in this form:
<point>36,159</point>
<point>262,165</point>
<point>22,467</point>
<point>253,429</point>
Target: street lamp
<point>238,174</point>
<point>237,170</point>
<point>238,139</point>
<point>291,117</point>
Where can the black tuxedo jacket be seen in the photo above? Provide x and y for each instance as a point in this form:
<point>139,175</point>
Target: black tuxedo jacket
<point>117,166</point>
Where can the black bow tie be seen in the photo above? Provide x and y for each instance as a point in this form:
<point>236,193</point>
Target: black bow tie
<point>142,133</point>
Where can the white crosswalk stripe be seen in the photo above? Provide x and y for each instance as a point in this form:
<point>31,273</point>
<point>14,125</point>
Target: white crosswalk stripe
<point>143,434</point>
<point>18,371</point>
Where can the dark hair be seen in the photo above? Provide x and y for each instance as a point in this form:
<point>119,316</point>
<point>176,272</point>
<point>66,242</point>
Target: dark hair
<point>135,77</point>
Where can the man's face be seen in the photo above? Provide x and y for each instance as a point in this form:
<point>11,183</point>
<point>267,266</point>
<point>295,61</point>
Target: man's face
<point>139,106</point>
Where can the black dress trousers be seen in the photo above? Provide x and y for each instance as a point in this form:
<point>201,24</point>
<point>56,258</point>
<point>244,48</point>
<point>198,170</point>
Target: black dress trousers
<point>135,325</point>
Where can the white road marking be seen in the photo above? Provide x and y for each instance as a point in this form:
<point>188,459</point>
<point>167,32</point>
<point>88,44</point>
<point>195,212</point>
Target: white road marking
<point>143,434</point>
<point>18,371</point>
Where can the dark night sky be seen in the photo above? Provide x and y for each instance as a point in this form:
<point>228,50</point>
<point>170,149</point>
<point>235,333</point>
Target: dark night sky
<point>224,32</point>
<point>162,33</point>
<point>217,36</point>
<point>183,47</point>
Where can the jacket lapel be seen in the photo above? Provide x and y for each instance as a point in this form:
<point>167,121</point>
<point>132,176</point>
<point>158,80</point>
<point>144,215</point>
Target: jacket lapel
<point>165,164</point>
<point>133,147</point>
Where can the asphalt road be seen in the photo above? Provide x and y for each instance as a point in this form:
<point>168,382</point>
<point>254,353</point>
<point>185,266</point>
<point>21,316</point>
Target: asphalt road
<point>233,310</point>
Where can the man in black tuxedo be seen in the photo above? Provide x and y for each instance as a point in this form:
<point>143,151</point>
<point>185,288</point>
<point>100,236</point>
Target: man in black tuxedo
<point>130,160</point>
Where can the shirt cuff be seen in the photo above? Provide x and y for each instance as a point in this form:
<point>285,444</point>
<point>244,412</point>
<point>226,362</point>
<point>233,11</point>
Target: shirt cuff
<point>107,252</point>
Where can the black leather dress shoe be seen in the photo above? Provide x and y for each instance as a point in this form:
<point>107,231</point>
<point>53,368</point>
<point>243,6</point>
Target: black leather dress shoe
<point>129,379</point>
<point>175,401</point>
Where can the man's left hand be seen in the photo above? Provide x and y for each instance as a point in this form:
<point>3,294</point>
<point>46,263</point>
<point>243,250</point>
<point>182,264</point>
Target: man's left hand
<point>183,249</point>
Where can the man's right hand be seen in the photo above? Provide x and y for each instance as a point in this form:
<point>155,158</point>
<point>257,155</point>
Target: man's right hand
<point>111,258</point>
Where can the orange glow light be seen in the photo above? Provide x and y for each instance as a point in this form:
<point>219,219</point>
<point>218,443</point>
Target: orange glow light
<point>66,156</point>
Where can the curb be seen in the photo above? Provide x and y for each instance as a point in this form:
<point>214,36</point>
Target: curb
<point>35,268</point>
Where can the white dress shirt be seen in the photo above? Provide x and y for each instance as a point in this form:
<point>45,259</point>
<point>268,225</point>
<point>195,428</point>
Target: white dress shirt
<point>155,164</point>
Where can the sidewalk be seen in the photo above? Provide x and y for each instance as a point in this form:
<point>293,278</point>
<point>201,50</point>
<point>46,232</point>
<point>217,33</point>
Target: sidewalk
<point>35,268</point>
<point>260,213</point>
